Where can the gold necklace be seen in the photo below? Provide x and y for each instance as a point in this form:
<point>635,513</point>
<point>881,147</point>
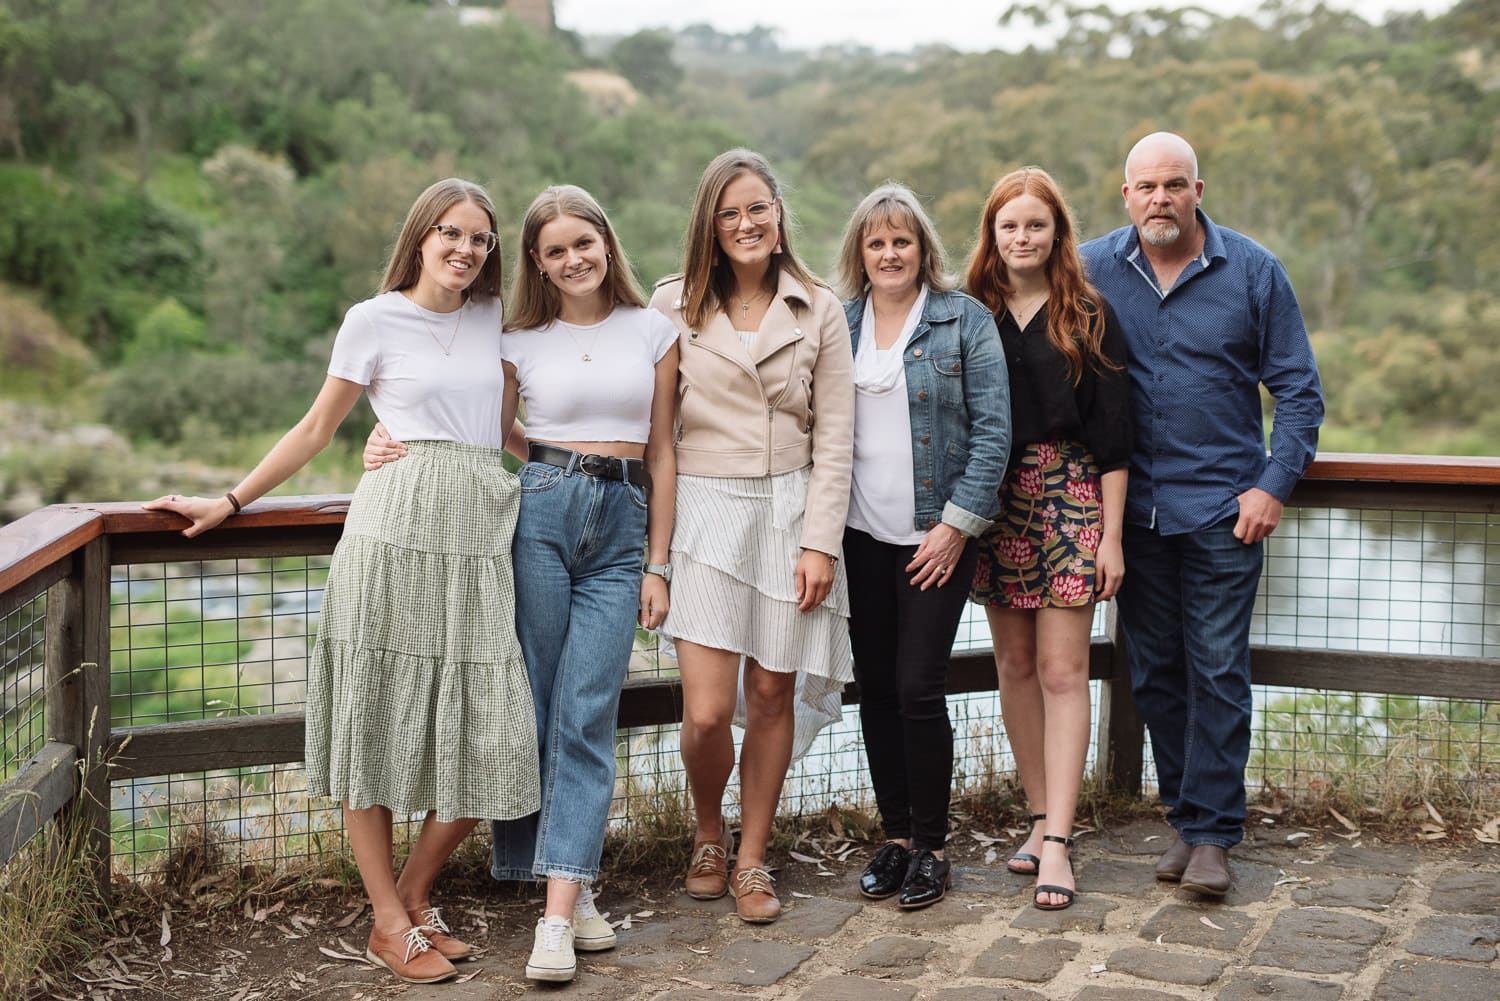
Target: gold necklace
<point>1024,313</point>
<point>585,355</point>
<point>447,349</point>
<point>745,303</point>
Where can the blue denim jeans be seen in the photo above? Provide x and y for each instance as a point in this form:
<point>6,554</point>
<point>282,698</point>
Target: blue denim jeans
<point>577,554</point>
<point>1185,609</point>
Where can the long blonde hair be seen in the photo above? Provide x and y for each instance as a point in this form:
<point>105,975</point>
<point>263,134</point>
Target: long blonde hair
<point>405,264</point>
<point>535,302</point>
<point>707,278</point>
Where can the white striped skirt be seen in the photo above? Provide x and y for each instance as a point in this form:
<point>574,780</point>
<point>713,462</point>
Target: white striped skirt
<point>735,547</point>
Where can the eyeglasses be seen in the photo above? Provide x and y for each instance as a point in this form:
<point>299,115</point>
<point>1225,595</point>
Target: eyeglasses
<point>453,238</point>
<point>727,219</point>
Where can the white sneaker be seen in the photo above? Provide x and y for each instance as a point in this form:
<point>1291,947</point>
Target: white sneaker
<point>591,932</point>
<point>552,954</point>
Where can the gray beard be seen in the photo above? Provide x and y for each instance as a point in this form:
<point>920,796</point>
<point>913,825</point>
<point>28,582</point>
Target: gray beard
<point>1161,234</point>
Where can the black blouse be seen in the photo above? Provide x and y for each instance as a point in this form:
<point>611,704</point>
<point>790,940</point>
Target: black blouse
<point>1046,406</point>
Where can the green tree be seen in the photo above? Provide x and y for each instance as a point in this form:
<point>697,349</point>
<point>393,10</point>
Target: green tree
<point>645,59</point>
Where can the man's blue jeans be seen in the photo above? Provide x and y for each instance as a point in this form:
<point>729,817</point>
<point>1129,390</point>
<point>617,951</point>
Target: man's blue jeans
<point>1185,609</point>
<point>577,554</point>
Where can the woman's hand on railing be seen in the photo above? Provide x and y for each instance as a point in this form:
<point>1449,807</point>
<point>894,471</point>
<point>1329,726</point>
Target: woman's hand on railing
<point>203,512</point>
<point>381,448</point>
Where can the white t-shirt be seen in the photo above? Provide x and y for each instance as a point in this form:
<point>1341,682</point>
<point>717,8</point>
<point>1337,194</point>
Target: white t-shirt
<point>608,397</point>
<point>390,345</point>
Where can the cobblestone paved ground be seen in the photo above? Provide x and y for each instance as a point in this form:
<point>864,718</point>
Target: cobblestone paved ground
<point>1325,918</point>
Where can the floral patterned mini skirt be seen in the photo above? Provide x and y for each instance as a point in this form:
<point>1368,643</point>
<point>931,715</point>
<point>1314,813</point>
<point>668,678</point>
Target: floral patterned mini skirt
<point>1040,551</point>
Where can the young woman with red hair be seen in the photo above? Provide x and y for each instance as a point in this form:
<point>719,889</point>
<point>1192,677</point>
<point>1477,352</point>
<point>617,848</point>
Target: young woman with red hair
<point>1055,548</point>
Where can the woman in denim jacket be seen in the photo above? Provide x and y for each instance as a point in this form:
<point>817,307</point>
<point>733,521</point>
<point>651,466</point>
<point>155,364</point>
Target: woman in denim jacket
<point>931,440</point>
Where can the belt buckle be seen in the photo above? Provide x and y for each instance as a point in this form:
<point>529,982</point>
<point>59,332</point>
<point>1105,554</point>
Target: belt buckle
<point>596,465</point>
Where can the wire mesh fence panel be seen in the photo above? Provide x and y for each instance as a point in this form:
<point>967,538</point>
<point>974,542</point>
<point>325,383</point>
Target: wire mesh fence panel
<point>23,680</point>
<point>1397,582</point>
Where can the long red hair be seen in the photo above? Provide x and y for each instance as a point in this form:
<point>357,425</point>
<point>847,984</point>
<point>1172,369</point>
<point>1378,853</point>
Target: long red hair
<point>1075,310</point>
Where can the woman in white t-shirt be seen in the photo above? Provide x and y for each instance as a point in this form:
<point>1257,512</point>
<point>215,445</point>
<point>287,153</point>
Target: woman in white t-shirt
<point>417,696</point>
<point>598,372</point>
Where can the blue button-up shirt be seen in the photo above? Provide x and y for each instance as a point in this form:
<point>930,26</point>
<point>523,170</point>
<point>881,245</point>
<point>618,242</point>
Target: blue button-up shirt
<point>1199,353</point>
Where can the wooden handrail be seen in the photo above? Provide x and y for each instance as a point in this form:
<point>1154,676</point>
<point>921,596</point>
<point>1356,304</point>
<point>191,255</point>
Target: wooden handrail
<point>1478,471</point>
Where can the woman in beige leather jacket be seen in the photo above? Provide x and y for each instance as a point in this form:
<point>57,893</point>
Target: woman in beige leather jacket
<point>765,413</point>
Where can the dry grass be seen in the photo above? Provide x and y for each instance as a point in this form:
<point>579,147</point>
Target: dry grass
<point>51,908</point>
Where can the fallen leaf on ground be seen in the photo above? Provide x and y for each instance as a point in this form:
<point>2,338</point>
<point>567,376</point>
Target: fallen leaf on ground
<point>1432,812</point>
<point>1098,968</point>
<point>1205,921</point>
<point>644,914</point>
<point>803,896</point>
<point>348,919</point>
<point>346,956</point>
<point>1348,824</point>
<point>798,856</point>
<point>835,821</point>
<point>1297,836</point>
<point>166,929</point>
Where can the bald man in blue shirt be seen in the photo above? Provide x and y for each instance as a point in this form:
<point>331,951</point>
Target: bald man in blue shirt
<point>1210,317</point>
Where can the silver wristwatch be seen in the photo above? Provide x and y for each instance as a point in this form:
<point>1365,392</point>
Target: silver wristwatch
<point>662,570</point>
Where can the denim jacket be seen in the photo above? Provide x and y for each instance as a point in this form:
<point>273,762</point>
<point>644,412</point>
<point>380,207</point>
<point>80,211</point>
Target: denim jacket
<point>958,395</point>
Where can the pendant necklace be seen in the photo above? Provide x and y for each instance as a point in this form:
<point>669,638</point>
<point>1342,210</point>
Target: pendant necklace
<point>447,349</point>
<point>585,355</point>
<point>745,304</point>
<point>1023,314</point>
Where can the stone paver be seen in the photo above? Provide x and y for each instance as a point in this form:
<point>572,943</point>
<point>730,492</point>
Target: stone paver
<point>857,989</point>
<point>1467,893</point>
<point>986,880</point>
<point>1315,940</point>
<point>1365,892</point>
<point>755,964</point>
<point>1095,992</point>
<point>1086,914</point>
<point>893,956</point>
<point>1259,986</point>
<point>1433,981</point>
<point>983,994</point>
<point>815,918</point>
<point>1166,967</point>
<point>1469,937</point>
<point>1116,876</point>
<point>1034,962</point>
<point>1253,882</point>
<point>1177,924</point>
<point>942,916</point>
<point>1398,860</point>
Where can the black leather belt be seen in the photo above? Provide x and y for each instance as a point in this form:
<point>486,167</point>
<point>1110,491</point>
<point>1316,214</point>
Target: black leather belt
<point>605,467</point>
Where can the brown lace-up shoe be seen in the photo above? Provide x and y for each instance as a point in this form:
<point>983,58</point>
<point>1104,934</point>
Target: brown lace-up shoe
<point>755,898</point>
<point>432,925</point>
<point>708,872</point>
<point>409,956</point>
<point>1207,871</point>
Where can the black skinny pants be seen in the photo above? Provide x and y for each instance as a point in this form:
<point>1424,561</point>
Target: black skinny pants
<point>902,637</point>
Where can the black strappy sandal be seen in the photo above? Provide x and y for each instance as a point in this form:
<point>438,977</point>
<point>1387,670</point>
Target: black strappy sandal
<point>1049,888</point>
<point>1024,857</point>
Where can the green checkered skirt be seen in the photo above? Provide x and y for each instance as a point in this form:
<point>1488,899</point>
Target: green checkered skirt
<point>417,696</point>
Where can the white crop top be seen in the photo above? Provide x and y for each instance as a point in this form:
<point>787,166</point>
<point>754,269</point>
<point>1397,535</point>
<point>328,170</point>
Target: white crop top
<point>394,348</point>
<point>608,397</point>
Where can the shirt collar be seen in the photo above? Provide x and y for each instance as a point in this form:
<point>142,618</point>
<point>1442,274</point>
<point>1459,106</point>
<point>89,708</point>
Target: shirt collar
<point>1128,246</point>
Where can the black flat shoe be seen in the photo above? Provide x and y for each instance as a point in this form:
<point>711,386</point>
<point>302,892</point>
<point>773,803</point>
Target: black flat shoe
<point>1026,858</point>
<point>1061,891</point>
<point>887,870</point>
<point>927,880</point>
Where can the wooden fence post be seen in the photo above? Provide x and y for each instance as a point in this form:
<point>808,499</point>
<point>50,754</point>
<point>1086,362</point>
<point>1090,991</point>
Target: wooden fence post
<point>1122,740</point>
<point>78,709</point>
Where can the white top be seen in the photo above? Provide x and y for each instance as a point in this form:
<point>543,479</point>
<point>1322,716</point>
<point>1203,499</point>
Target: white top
<point>390,345</point>
<point>608,397</point>
<point>882,495</point>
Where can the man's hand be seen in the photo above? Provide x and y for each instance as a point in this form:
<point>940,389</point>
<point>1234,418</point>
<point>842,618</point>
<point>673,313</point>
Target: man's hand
<point>1259,515</point>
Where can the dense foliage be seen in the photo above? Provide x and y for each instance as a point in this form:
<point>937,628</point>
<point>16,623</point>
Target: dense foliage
<point>194,192</point>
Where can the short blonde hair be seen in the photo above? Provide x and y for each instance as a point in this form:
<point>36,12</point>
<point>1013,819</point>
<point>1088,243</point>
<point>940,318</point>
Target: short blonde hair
<point>895,204</point>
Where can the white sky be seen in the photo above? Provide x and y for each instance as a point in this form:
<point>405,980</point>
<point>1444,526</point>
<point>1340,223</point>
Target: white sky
<point>881,24</point>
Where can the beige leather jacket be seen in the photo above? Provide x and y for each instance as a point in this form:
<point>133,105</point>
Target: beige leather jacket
<point>787,402</point>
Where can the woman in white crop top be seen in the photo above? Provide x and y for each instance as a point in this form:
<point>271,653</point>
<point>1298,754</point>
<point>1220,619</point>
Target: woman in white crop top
<point>598,372</point>
<point>417,695</point>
